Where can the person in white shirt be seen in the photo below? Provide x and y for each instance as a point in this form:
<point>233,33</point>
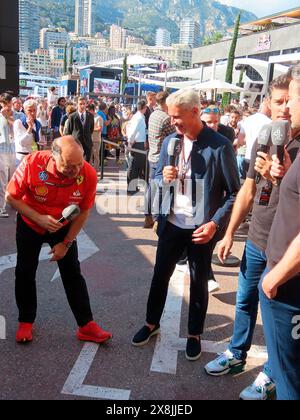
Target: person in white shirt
<point>137,134</point>
<point>249,131</point>
<point>52,97</point>
<point>27,131</point>
<point>7,148</point>
<point>42,114</point>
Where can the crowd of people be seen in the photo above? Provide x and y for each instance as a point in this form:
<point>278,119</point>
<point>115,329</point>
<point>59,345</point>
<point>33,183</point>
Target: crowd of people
<point>218,149</point>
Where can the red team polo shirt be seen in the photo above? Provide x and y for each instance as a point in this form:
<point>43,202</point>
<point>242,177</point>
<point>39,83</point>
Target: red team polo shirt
<point>42,188</point>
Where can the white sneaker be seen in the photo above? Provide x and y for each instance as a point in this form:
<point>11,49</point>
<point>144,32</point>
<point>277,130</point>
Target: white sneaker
<point>263,388</point>
<point>225,363</point>
<point>213,286</point>
<point>3,214</point>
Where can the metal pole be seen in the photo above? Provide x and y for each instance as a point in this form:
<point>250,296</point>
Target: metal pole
<point>166,79</point>
<point>140,85</point>
<point>102,159</point>
<point>147,170</point>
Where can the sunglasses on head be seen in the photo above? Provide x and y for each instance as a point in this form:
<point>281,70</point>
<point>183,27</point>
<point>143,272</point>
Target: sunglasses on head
<point>211,110</point>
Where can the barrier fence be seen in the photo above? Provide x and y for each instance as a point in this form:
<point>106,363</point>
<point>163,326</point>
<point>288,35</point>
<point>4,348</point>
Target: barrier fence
<point>129,149</point>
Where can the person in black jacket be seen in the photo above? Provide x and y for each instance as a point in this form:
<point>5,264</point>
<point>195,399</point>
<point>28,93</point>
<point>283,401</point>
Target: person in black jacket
<point>80,125</point>
<point>206,182</point>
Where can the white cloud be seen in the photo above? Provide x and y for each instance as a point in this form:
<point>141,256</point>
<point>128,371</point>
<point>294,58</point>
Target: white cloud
<point>263,8</point>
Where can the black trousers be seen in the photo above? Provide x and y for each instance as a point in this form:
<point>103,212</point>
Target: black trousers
<point>137,165</point>
<point>29,244</point>
<point>171,245</point>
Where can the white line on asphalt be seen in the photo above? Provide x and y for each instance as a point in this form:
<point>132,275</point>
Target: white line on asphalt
<point>166,349</point>
<point>10,261</point>
<point>86,248</point>
<point>2,328</point>
<point>169,343</point>
<point>74,384</point>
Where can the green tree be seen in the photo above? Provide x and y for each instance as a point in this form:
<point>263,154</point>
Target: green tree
<point>231,57</point>
<point>71,60</point>
<point>124,74</point>
<point>65,60</point>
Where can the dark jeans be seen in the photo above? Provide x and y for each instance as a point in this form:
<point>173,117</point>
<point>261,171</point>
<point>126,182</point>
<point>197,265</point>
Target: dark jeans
<point>150,193</point>
<point>137,165</point>
<point>281,320</point>
<point>88,152</point>
<point>171,245</point>
<point>29,244</point>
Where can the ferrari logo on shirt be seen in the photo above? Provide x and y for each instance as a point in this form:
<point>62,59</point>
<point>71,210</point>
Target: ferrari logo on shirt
<point>80,180</point>
<point>41,191</point>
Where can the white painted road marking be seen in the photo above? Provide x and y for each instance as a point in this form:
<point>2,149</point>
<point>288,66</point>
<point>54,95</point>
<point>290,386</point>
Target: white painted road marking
<point>74,384</point>
<point>86,248</point>
<point>169,343</point>
<point>2,328</point>
<point>166,349</point>
<point>10,261</point>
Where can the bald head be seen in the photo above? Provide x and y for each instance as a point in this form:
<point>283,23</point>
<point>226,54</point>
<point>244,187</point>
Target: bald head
<point>68,155</point>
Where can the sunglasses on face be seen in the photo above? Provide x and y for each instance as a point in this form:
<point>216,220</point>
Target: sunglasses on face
<point>211,111</point>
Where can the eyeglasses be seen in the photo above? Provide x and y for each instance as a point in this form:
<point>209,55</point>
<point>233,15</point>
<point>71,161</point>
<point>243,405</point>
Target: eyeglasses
<point>211,111</point>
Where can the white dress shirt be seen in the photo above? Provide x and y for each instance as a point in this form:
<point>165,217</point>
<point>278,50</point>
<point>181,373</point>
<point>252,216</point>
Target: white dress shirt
<point>137,129</point>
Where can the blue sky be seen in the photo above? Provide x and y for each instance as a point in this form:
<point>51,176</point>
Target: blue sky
<point>263,7</point>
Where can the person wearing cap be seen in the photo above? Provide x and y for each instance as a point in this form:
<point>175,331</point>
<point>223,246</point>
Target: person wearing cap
<point>43,186</point>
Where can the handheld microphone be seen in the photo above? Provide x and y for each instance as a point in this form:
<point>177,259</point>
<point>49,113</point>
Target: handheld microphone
<point>69,213</point>
<point>264,143</point>
<point>174,150</point>
<point>280,137</point>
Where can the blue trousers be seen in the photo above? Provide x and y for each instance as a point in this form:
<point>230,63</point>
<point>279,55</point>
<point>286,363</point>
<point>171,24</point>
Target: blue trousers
<point>281,320</point>
<point>253,265</point>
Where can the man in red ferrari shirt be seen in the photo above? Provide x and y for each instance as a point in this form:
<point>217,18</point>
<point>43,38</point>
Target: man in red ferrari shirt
<point>42,187</point>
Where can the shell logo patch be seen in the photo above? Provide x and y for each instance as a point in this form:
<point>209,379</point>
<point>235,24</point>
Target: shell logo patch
<point>41,191</point>
<point>80,180</point>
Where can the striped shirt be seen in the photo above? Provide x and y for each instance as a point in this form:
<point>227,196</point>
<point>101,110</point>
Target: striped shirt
<point>6,137</point>
<point>159,128</point>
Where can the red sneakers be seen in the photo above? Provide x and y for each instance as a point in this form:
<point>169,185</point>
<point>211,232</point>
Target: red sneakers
<point>24,333</point>
<point>92,332</point>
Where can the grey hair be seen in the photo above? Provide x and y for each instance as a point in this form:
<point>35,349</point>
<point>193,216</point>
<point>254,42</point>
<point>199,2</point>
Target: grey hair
<point>29,103</point>
<point>296,73</point>
<point>187,99</point>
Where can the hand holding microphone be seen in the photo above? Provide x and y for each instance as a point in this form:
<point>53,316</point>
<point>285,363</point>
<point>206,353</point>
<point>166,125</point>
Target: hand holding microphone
<point>280,137</point>
<point>170,172</point>
<point>264,144</point>
<point>52,225</point>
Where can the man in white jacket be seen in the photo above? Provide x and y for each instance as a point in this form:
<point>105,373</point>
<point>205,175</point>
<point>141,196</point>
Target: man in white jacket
<point>27,131</point>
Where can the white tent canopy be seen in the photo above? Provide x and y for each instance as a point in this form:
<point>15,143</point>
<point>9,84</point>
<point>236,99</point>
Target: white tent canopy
<point>132,60</point>
<point>218,85</point>
<point>220,71</point>
<point>172,85</point>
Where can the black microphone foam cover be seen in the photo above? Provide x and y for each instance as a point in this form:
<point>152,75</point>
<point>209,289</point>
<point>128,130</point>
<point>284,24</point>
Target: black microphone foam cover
<point>174,150</point>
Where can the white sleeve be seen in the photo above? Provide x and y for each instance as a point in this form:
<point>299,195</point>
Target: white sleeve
<point>23,140</point>
<point>132,131</point>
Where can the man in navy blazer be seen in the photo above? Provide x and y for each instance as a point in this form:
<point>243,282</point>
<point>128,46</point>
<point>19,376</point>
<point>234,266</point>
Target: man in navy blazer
<point>193,214</point>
